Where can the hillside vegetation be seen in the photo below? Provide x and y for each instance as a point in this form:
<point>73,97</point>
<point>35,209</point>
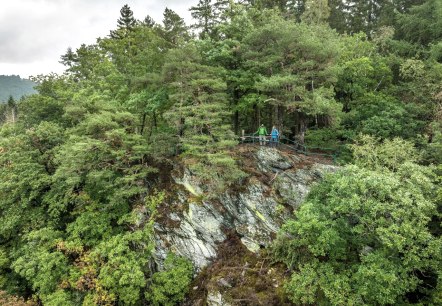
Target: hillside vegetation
<point>83,159</point>
<point>15,87</point>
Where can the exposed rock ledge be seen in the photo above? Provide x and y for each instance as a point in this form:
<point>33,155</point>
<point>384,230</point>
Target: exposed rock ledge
<point>277,185</point>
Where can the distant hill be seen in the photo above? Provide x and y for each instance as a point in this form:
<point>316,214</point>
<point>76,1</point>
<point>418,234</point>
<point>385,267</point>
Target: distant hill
<point>13,85</point>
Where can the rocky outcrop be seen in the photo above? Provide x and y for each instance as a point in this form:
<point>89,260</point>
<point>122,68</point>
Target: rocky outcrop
<point>215,298</point>
<point>255,211</point>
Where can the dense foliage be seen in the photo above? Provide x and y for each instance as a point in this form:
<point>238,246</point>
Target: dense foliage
<point>369,234</point>
<point>80,160</point>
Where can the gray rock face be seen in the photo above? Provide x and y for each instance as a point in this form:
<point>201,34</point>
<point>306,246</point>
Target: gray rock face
<point>215,298</point>
<point>256,213</point>
<point>269,159</point>
<point>196,237</point>
<point>293,186</point>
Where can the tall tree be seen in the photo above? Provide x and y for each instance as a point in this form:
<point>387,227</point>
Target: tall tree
<point>201,116</point>
<point>269,4</point>
<point>204,13</point>
<point>174,28</point>
<point>149,22</point>
<point>125,23</point>
<point>295,81</point>
<point>316,11</point>
<point>339,15</point>
<point>12,108</point>
<point>223,9</point>
<point>366,16</point>
<point>422,24</point>
<point>295,8</point>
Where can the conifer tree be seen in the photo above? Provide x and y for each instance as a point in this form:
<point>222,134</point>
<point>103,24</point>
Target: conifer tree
<point>269,4</point>
<point>81,63</point>
<point>316,11</point>
<point>422,24</point>
<point>204,13</point>
<point>201,116</point>
<point>294,81</point>
<point>69,58</point>
<point>174,28</point>
<point>125,23</point>
<point>339,15</point>
<point>149,22</point>
<point>223,9</point>
<point>12,107</point>
<point>367,16</point>
<point>221,6</point>
<point>295,8</point>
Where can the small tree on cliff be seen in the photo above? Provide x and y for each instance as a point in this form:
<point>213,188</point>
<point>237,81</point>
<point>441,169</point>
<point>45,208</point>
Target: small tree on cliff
<point>201,116</point>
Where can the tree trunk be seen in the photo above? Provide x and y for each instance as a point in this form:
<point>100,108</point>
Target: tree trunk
<point>280,118</point>
<point>13,114</point>
<point>236,122</point>
<point>257,115</point>
<point>143,123</point>
<point>300,127</point>
<point>153,126</point>
<point>236,97</point>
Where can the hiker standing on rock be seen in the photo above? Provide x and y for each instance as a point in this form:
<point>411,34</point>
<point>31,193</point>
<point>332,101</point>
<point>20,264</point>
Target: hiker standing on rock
<point>262,133</point>
<point>275,137</point>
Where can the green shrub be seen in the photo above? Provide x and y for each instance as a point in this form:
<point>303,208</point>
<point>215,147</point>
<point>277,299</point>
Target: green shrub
<point>170,286</point>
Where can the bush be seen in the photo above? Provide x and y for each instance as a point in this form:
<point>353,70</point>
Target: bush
<point>170,286</point>
<point>363,238</point>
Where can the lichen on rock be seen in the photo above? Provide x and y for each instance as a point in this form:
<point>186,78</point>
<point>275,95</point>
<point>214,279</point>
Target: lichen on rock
<point>253,212</point>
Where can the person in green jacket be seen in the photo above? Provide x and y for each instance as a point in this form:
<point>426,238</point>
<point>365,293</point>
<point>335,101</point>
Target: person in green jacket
<point>262,133</point>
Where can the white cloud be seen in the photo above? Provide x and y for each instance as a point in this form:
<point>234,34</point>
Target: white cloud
<point>35,33</point>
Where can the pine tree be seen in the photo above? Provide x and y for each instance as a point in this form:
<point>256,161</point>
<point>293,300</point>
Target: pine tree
<point>204,13</point>
<point>316,11</point>
<point>201,117</point>
<point>12,107</point>
<point>367,16</point>
<point>269,4</point>
<point>422,24</point>
<point>69,58</point>
<point>125,23</point>
<point>295,8</point>
<point>295,83</point>
<point>149,22</point>
<point>174,28</point>
<point>81,63</point>
<point>339,15</point>
<point>222,9</point>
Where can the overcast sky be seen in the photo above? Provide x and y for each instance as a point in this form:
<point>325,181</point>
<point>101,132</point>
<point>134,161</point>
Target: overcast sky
<point>35,33</point>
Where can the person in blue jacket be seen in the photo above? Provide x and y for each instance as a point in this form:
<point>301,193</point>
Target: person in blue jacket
<point>275,137</point>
